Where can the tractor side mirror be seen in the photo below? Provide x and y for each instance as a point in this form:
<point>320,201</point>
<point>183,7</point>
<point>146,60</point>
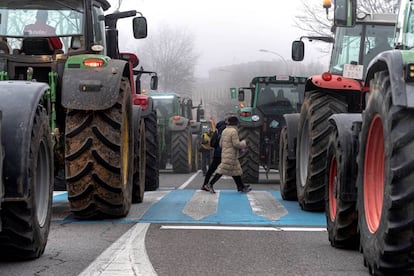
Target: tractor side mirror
<point>139,25</point>
<point>298,50</point>
<point>154,82</point>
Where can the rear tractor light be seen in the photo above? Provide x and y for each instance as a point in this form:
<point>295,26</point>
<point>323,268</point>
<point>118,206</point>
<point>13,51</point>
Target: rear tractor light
<point>93,62</point>
<point>327,76</point>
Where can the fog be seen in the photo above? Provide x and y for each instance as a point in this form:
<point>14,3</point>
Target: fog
<point>228,32</point>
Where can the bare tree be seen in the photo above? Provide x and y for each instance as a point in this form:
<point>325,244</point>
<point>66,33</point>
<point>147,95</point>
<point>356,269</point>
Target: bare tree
<point>171,53</point>
<point>378,6</point>
<point>313,18</point>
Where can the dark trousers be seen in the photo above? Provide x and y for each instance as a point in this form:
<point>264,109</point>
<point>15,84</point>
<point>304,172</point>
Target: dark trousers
<point>237,179</point>
<point>212,168</point>
<point>205,160</point>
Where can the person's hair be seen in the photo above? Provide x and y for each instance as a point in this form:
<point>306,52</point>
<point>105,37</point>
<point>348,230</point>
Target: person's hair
<point>42,15</point>
<point>233,121</point>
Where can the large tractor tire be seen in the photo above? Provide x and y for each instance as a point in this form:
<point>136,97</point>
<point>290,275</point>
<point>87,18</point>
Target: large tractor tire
<point>385,182</point>
<point>287,169</point>
<point>140,148</point>
<point>181,150</point>
<point>312,145</point>
<point>340,212</point>
<point>99,159</point>
<point>249,159</point>
<point>152,175</point>
<point>26,223</point>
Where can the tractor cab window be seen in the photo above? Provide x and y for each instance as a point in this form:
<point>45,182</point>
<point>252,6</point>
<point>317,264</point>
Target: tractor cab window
<point>377,39</point>
<point>346,48</point>
<point>283,97</point>
<point>408,29</point>
<point>42,19</point>
<point>164,105</point>
<point>99,27</point>
<point>359,45</point>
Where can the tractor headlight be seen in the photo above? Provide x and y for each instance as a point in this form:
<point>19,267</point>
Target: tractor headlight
<point>255,118</point>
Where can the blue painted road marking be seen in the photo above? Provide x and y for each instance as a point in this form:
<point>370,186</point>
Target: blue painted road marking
<point>232,208</point>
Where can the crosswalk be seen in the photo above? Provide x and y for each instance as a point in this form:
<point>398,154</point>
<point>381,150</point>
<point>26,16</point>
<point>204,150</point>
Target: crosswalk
<point>226,207</point>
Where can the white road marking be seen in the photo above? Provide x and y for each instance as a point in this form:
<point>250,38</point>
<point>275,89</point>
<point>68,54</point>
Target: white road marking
<point>201,205</point>
<point>266,205</point>
<point>126,256</point>
<point>185,184</point>
<point>241,228</point>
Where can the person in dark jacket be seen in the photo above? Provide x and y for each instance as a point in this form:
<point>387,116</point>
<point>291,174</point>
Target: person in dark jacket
<point>220,126</point>
<point>230,165</point>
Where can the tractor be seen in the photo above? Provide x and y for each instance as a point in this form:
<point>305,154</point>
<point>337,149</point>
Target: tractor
<point>261,121</point>
<point>149,115</point>
<point>177,131</point>
<point>369,173</point>
<point>304,141</point>
<point>67,105</point>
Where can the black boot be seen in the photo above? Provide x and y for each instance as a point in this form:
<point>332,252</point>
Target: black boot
<point>243,188</point>
<point>211,189</point>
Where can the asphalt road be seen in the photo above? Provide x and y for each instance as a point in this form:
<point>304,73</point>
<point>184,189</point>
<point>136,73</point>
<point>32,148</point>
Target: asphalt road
<point>180,230</point>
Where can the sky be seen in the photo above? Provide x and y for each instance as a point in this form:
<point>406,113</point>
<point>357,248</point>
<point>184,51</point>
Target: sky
<point>227,32</point>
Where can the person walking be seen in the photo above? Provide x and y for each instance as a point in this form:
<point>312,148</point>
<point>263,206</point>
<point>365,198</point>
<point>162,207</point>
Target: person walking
<point>206,151</point>
<point>230,165</point>
<point>220,126</point>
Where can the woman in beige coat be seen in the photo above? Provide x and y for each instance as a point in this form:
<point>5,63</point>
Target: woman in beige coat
<point>230,165</point>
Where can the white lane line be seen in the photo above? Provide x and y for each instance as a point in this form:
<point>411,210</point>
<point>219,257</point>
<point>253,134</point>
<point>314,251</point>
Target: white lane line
<point>201,205</point>
<point>126,256</point>
<point>241,228</point>
<point>185,184</point>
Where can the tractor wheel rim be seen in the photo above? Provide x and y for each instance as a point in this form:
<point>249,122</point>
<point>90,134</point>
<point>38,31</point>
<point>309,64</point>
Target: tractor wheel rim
<point>332,186</point>
<point>374,169</point>
<point>42,184</point>
<point>304,151</point>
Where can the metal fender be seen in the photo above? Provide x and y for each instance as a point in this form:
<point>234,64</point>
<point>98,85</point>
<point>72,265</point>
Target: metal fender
<point>292,120</point>
<point>336,83</point>
<point>146,103</point>
<point>392,61</point>
<point>344,123</point>
<point>178,125</point>
<point>92,88</point>
<point>18,103</point>
<point>247,121</point>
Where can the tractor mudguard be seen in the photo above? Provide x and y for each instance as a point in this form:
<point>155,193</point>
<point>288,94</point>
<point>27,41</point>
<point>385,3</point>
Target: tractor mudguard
<point>150,108</point>
<point>392,61</point>
<point>292,120</point>
<point>18,103</point>
<point>337,83</point>
<point>91,88</point>
<point>344,123</point>
<point>247,121</point>
<point>178,125</point>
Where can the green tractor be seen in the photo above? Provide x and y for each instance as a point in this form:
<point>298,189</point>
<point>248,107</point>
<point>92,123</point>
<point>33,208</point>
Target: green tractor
<point>177,132</point>
<point>67,105</point>
<point>261,122</point>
